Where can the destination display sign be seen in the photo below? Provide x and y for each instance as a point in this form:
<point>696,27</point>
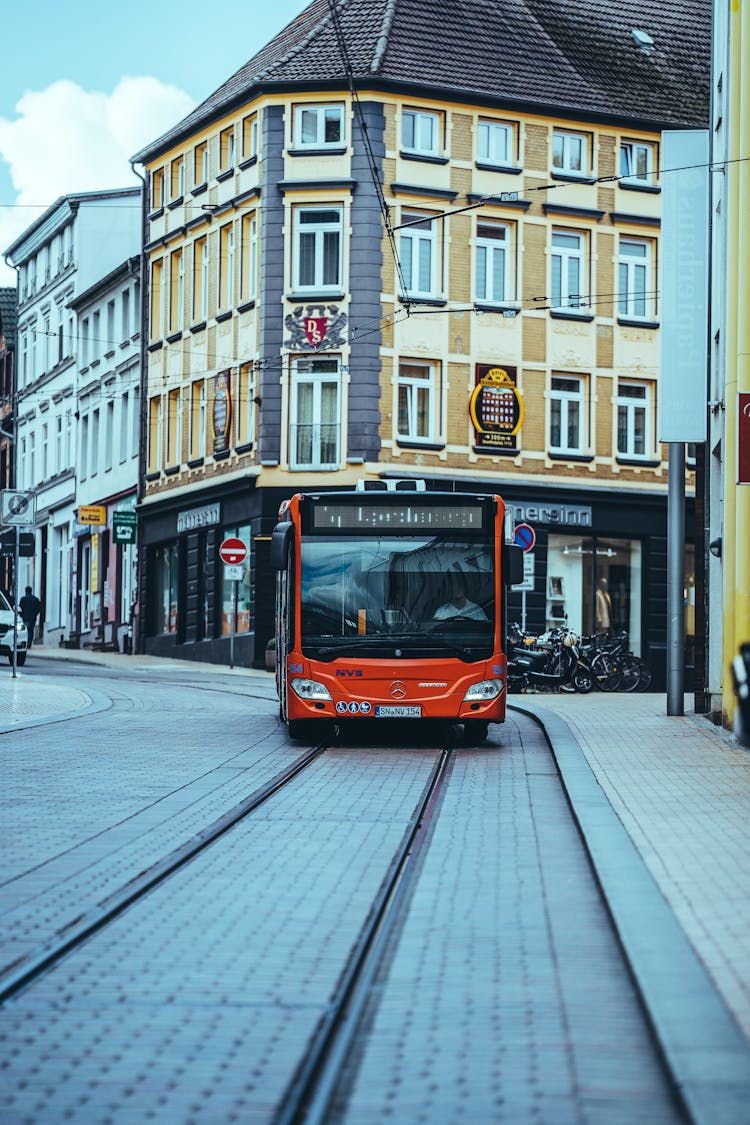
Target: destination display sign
<point>416,515</point>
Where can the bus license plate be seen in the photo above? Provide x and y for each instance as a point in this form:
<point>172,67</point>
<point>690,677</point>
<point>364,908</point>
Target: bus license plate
<point>402,711</point>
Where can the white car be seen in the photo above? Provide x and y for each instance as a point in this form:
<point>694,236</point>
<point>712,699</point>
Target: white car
<point>6,633</point>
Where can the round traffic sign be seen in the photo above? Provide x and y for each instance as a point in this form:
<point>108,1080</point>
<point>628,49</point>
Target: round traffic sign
<point>233,551</point>
<point>524,536</point>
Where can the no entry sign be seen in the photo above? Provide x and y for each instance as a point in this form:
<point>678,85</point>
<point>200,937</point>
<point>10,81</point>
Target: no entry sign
<point>524,536</point>
<point>233,552</point>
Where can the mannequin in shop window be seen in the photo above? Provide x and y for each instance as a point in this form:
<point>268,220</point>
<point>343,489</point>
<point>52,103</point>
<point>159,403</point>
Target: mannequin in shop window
<point>603,607</point>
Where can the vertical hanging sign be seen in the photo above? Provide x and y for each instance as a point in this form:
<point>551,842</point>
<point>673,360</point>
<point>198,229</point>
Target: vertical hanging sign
<point>222,411</point>
<point>684,286</point>
<point>496,409</point>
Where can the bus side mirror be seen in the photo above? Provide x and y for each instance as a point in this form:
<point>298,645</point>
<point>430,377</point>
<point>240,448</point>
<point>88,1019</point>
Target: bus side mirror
<point>281,539</point>
<point>515,564</point>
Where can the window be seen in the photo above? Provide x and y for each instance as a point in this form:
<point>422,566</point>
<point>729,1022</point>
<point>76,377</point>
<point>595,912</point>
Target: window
<point>637,161</point>
<point>200,163</point>
<point>226,149</point>
<point>318,248</point>
<point>584,568</point>
<point>315,414</point>
<point>84,459</point>
<point>249,256</point>
<point>495,142</point>
<point>68,436</point>
<point>174,420</point>
<point>246,405</point>
<point>569,153</point>
<point>96,336</point>
<point>177,178</point>
<point>45,451</point>
<point>634,272</point>
<point>420,132</point>
<point>417,405</point>
<point>109,435</point>
<point>59,463</point>
<point>567,269</point>
<point>200,280</point>
<point>110,341</point>
<point>417,249</point>
<point>157,299</point>
<point>317,126</point>
<point>46,343</point>
<point>154,434</point>
<point>85,342</point>
<point>166,584</point>
<point>124,426</point>
<point>566,415</point>
<point>157,189</point>
<point>633,419</point>
<point>250,136</point>
<point>125,331</point>
<point>197,419</point>
<point>226,266</point>
<point>176,290</point>
<point>135,442</point>
<point>94,442</point>
<point>493,259</point>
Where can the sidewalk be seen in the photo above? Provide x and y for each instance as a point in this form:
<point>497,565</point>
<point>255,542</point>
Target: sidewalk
<point>681,788</point>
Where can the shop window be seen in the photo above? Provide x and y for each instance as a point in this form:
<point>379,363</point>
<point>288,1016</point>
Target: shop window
<point>166,587</point>
<point>235,596</point>
<point>594,585</point>
<point>315,414</point>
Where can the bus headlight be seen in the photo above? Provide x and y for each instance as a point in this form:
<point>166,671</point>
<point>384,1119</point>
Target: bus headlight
<point>486,689</point>
<point>309,689</point>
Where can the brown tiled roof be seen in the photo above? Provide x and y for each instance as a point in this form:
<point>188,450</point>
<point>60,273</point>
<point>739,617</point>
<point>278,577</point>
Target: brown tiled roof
<point>576,57</point>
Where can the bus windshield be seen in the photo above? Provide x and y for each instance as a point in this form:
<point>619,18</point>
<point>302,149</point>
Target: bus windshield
<point>362,593</point>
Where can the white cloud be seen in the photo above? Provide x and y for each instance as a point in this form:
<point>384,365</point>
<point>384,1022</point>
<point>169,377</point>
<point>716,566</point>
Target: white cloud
<point>67,139</point>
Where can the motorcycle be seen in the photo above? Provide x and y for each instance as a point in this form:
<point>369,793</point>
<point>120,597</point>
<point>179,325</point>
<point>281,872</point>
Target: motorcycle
<point>551,662</point>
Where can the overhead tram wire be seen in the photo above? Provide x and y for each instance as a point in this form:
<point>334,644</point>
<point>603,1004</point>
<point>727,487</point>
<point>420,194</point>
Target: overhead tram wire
<point>371,162</point>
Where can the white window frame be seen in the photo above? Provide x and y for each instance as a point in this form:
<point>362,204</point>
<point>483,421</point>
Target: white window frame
<point>320,113</point>
<point>418,119</point>
<point>570,144</point>
<point>415,377</point>
<point>629,267</point>
<point>414,242</point>
<point>566,255</point>
<point>485,251</point>
<point>633,405</point>
<point>318,230</point>
<point>488,135</point>
<point>629,159</point>
<point>309,371</point>
<point>567,398</point>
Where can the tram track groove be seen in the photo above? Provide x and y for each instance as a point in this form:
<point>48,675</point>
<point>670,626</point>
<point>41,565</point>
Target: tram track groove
<point>313,1087</point>
<point>27,969</point>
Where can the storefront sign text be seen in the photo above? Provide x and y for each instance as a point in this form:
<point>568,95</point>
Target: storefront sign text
<point>196,518</point>
<point>222,413</point>
<point>572,515</point>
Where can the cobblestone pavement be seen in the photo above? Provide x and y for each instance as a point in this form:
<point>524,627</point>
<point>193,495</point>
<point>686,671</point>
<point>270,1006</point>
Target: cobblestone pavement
<point>681,788</point>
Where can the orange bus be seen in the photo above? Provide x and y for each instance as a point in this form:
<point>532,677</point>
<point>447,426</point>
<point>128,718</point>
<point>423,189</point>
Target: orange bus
<point>390,604</point>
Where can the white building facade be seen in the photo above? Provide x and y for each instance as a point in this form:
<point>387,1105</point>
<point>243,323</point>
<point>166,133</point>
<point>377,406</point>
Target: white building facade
<point>78,240</point>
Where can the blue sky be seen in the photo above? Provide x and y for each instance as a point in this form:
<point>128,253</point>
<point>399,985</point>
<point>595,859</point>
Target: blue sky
<point>84,85</point>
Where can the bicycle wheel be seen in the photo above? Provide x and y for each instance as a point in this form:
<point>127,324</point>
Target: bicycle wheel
<point>644,683</point>
<point>631,673</point>
<point>607,672</point>
<point>583,680</point>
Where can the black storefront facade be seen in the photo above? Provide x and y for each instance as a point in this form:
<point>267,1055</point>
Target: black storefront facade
<point>188,609</point>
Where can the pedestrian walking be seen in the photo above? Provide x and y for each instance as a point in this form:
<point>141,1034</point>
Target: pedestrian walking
<point>31,608</point>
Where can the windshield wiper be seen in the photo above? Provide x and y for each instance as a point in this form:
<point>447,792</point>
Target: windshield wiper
<point>410,643</point>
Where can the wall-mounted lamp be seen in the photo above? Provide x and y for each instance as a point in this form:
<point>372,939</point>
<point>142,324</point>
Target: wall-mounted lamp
<point>715,547</point>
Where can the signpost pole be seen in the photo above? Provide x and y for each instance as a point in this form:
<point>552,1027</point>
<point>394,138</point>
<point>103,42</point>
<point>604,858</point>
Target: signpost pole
<point>15,600</point>
<point>234,624</point>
